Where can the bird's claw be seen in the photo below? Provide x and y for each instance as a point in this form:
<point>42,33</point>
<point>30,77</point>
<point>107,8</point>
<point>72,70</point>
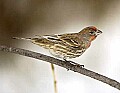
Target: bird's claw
<point>75,64</point>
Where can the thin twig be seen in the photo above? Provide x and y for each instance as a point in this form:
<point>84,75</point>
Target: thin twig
<point>63,64</point>
<point>54,78</point>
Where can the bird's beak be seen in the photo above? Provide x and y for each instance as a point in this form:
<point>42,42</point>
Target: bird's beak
<point>98,32</point>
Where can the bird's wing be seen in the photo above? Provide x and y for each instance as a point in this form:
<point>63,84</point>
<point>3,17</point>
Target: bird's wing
<point>70,39</point>
<point>53,38</point>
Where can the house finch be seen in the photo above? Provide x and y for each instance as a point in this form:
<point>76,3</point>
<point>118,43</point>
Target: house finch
<point>70,45</point>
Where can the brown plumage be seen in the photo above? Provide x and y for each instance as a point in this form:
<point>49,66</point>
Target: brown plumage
<point>69,45</point>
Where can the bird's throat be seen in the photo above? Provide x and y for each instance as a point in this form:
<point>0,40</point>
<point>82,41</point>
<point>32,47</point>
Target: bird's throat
<point>92,38</point>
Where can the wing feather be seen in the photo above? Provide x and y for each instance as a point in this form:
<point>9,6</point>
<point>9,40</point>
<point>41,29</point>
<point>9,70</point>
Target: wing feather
<point>70,39</point>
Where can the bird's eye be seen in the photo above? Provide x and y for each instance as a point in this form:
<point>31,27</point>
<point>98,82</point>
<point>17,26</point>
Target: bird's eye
<point>91,32</point>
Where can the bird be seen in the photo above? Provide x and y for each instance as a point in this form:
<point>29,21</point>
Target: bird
<point>68,45</point>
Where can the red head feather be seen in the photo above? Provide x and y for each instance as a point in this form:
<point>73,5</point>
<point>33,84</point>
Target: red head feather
<point>93,27</point>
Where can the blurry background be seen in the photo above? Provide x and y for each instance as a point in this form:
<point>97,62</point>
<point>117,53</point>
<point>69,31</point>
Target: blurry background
<point>26,18</point>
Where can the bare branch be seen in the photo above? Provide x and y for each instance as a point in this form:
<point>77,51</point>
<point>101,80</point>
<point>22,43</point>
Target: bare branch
<point>63,64</point>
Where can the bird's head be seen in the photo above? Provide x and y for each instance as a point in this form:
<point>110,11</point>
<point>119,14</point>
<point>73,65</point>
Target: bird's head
<point>90,33</point>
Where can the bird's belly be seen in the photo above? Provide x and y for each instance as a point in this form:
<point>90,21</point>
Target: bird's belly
<point>66,53</point>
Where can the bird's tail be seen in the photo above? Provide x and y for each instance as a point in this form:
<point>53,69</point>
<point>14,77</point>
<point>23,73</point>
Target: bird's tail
<point>22,38</point>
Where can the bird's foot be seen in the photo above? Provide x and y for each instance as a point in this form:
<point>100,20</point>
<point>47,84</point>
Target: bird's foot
<point>76,64</point>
